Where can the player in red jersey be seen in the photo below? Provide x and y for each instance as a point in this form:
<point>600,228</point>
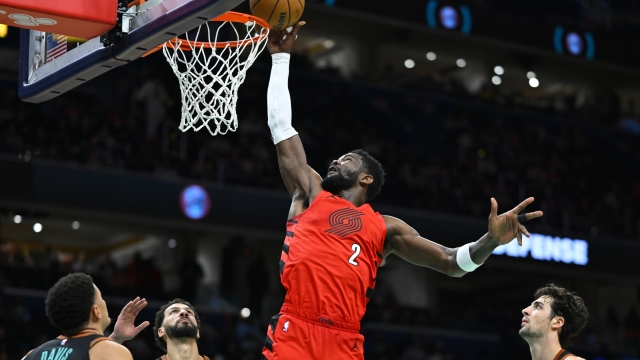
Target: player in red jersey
<point>335,241</point>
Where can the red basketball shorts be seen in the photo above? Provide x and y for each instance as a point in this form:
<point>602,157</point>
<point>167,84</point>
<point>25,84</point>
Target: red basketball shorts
<point>295,334</point>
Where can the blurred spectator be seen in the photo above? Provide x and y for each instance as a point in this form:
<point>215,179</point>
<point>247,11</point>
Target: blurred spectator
<point>4,342</point>
<point>443,150</point>
<point>154,95</point>
<point>632,327</point>
<point>190,275</point>
<point>258,284</point>
<point>415,351</point>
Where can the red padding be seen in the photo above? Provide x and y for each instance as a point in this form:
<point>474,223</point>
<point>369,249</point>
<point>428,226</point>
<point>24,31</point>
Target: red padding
<point>84,19</point>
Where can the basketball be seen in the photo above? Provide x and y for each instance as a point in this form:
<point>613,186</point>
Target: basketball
<point>280,14</point>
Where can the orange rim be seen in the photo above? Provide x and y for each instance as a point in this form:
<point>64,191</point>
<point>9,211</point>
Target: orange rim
<point>230,16</point>
<point>136,3</point>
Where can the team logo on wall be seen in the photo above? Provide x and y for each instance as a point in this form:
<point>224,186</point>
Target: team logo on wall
<point>345,222</point>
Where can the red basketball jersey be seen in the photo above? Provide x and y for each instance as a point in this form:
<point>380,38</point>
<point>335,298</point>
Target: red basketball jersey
<point>330,257</point>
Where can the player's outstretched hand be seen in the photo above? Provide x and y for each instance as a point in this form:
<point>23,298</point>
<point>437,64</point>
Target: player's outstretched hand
<point>124,329</point>
<point>281,41</point>
<point>508,226</point>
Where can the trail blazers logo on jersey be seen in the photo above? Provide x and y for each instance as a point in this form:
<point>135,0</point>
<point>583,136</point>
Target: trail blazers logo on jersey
<point>345,222</point>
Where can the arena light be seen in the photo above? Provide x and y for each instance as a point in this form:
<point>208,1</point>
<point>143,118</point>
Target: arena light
<point>37,227</point>
<point>245,313</point>
<point>195,202</point>
<point>533,82</point>
<point>431,56</point>
<point>496,80</point>
<point>75,225</point>
<point>409,64</point>
<point>548,248</point>
<point>531,75</point>
<point>449,17</point>
<point>461,63</point>
<point>172,243</point>
<point>17,219</point>
<point>329,43</point>
<point>574,43</point>
<point>499,70</point>
<point>4,30</point>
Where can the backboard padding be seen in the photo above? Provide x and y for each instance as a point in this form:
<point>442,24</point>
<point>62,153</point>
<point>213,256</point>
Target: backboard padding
<point>149,29</point>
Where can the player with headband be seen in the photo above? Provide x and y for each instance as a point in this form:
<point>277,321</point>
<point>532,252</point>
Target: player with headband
<point>335,241</point>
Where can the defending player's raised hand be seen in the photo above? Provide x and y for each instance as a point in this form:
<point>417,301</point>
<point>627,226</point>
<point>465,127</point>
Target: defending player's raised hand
<point>124,329</point>
<point>508,226</point>
<point>281,41</point>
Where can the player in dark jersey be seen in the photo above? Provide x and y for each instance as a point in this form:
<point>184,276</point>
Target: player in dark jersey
<point>555,316</point>
<point>335,241</point>
<point>177,330</point>
<point>75,306</point>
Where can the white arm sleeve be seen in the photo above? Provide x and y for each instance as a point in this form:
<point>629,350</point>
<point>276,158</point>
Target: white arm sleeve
<point>279,100</point>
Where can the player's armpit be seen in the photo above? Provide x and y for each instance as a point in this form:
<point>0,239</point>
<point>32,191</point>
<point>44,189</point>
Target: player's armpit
<point>315,184</point>
<point>108,350</point>
<point>405,242</point>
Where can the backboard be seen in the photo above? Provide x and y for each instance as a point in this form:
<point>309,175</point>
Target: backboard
<point>139,28</point>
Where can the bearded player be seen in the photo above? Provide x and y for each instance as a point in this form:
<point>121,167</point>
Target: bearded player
<point>335,241</point>
<point>177,330</point>
<point>549,323</point>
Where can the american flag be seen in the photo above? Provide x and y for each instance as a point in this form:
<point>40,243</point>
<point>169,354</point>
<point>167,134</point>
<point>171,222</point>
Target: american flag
<point>56,46</point>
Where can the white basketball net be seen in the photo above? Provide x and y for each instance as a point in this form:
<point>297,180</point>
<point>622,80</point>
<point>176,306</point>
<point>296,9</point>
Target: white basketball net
<point>210,77</point>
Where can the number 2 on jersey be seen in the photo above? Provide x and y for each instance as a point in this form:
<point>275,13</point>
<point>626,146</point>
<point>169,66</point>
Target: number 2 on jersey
<point>356,252</point>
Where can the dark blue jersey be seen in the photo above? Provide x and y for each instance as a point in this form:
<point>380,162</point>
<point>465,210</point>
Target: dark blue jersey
<point>64,348</point>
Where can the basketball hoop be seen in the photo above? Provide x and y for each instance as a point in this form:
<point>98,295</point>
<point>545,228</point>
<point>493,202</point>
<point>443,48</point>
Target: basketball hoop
<point>209,79</point>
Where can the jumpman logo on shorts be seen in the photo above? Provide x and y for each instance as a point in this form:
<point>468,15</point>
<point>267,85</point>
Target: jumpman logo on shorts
<point>355,345</point>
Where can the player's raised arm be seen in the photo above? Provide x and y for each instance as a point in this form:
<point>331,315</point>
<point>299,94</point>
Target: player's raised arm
<point>300,180</point>
<point>409,245</point>
<point>125,329</point>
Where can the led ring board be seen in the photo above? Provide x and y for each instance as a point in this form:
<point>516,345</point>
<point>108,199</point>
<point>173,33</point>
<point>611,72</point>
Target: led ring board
<point>576,43</point>
<point>449,17</point>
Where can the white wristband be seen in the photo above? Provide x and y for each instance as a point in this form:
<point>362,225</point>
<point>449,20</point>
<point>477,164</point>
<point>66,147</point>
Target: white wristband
<point>278,99</point>
<point>463,258</point>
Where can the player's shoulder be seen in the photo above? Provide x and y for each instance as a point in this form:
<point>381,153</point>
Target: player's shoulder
<point>573,357</point>
<point>108,349</point>
<point>395,226</point>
